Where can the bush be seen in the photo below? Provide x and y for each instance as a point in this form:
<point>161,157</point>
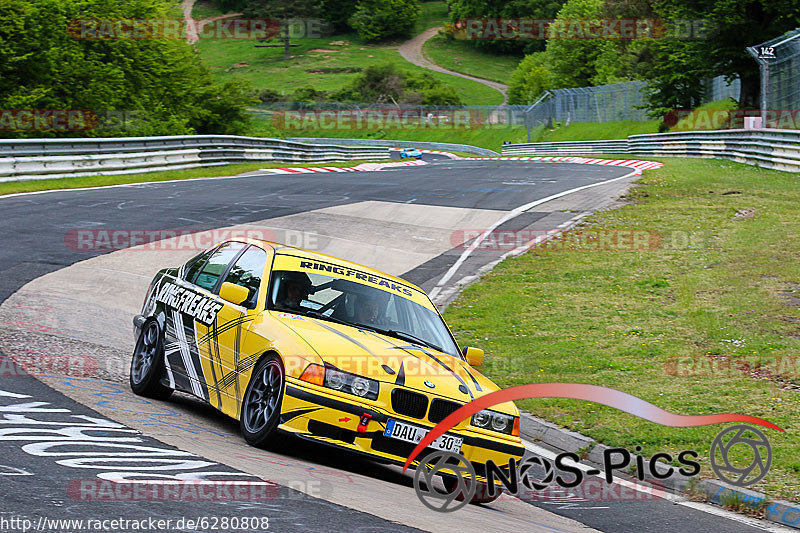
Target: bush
<point>379,20</point>
<point>268,95</point>
<point>387,83</point>
<point>309,94</point>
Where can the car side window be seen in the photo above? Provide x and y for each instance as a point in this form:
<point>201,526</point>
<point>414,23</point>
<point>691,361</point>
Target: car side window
<point>193,265</point>
<point>215,266</point>
<point>247,273</point>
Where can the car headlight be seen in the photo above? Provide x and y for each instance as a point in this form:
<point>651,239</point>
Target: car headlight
<point>350,383</point>
<point>494,421</point>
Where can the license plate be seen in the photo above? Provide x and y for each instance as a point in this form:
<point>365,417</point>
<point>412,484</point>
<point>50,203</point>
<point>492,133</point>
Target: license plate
<point>414,434</point>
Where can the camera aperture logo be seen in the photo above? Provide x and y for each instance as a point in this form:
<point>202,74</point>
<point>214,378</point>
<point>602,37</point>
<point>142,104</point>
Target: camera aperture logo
<point>459,492</point>
<point>537,473</point>
<point>742,436</point>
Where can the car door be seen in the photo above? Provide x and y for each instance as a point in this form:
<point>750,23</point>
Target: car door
<point>225,348</point>
<point>191,315</point>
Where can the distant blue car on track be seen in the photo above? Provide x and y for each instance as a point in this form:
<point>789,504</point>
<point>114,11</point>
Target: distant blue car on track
<point>410,153</point>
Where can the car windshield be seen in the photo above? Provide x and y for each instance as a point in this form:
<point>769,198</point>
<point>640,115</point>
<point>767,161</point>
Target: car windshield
<point>366,305</point>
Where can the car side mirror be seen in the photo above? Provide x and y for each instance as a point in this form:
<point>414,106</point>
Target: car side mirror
<point>235,294</point>
<point>474,356</point>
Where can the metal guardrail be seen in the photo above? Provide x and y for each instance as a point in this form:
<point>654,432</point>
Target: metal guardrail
<point>769,148</point>
<point>618,146</point>
<point>25,159</point>
<point>484,152</point>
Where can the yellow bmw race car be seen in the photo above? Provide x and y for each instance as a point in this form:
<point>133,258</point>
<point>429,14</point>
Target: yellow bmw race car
<point>289,341</point>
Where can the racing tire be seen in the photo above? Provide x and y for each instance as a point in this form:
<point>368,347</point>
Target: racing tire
<point>261,404</point>
<point>147,363</point>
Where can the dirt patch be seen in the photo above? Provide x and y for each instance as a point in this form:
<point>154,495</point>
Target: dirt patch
<point>237,65</point>
<point>792,295</point>
<point>338,43</point>
<point>742,214</point>
<point>323,50</point>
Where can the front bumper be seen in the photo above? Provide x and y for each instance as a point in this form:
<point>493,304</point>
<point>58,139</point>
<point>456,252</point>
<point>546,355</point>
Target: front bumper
<point>312,413</point>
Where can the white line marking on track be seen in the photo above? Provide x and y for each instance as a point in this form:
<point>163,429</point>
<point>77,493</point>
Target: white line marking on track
<point>510,215</point>
<point>673,498</point>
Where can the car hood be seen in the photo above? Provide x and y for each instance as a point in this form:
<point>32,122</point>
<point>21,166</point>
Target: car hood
<point>391,360</point>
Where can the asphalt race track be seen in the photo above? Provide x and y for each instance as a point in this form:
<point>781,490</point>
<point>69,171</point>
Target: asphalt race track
<point>414,221</point>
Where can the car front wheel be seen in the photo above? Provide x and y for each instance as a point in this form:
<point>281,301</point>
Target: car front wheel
<point>147,363</point>
<point>261,405</point>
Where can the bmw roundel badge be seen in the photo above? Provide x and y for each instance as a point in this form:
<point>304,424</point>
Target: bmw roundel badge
<point>429,384</point>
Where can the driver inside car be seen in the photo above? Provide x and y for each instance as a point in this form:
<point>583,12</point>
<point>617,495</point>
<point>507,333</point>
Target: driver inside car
<point>368,311</point>
<point>294,288</point>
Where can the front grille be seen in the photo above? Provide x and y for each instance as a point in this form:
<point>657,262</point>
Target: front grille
<point>441,409</point>
<point>409,403</point>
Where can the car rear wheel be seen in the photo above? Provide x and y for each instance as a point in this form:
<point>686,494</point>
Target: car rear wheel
<point>261,405</point>
<point>147,363</point>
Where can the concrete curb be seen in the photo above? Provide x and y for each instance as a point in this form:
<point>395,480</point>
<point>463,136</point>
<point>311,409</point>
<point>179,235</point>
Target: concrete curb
<point>542,432</point>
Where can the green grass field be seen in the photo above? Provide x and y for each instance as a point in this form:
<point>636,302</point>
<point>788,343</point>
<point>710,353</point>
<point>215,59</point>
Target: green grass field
<point>265,68</point>
<point>711,285</point>
<point>461,56</point>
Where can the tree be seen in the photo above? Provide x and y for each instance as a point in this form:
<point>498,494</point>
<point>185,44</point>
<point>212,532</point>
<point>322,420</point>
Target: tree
<point>572,60</point>
<point>529,80</point>
<point>736,24</point>
<point>379,20</point>
<point>531,9</point>
<point>161,84</point>
<point>338,12</point>
<point>283,11</point>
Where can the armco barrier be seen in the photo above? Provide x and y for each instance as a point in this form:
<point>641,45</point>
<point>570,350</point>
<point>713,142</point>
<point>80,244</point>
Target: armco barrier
<point>401,144</point>
<point>770,148</point>
<point>58,158</point>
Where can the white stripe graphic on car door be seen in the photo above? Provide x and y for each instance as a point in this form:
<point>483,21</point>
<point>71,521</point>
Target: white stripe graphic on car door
<point>168,368</point>
<point>200,358</point>
<point>186,355</point>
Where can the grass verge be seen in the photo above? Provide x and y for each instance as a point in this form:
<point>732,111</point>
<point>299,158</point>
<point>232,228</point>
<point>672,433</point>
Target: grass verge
<point>11,187</point>
<point>461,56</point>
<point>717,282</point>
<point>593,131</point>
<point>490,137</point>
